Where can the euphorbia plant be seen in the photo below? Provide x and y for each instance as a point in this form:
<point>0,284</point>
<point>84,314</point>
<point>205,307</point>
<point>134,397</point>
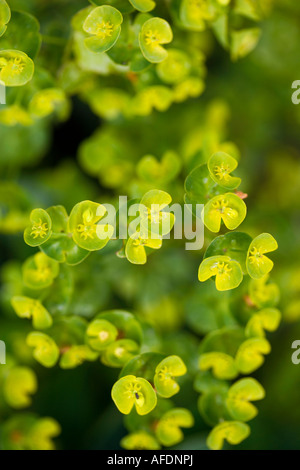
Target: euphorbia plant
<point>116,337</point>
<point>84,293</point>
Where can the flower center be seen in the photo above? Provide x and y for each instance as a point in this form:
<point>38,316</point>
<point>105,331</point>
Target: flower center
<point>42,274</point>
<point>105,29</point>
<point>152,38</point>
<point>17,66</point>
<point>222,172</point>
<point>39,229</point>
<point>221,269</point>
<point>164,374</point>
<point>119,352</point>
<point>221,205</point>
<point>133,390</point>
<point>224,269</point>
<point>88,229</point>
<point>256,255</point>
<point>103,335</point>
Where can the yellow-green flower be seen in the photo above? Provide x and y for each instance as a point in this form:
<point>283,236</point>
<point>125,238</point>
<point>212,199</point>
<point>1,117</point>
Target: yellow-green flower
<point>168,430</point>
<point>143,5</point>
<point>155,32</point>
<point>135,248</point>
<point>165,373</point>
<point>233,431</point>
<point>220,166</point>
<point>104,24</point>
<point>258,265</point>
<point>250,355</point>
<point>130,391</point>
<point>39,230</point>
<point>239,398</point>
<point>46,352</point>
<point>222,365</point>
<point>228,272</point>
<point>228,208</point>
<point>140,440</point>
<point>86,228</point>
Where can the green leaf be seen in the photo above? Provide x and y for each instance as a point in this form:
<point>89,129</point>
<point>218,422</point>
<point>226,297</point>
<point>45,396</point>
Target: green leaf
<point>221,30</point>
<point>155,33</point>
<point>228,273</point>
<point>165,372</point>
<point>60,246</point>
<point>233,431</point>
<point>200,187</point>
<point>212,406</point>
<point>235,245</point>
<point>130,391</point>
<point>243,42</point>
<point>122,5</point>
<point>227,340</point>
<point>205,382</point>
<point>143,365</point>
<point>22,34</point>
<point>143,5</point>
<point>45,351</point>
<point>5,16</point>
<point>240,394</point>
<point>258,265</point>
<point>228,208</point>
<point>39,230</point>
<point>220,166</point>
<point>63,249</point>
<point>104,24</point>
